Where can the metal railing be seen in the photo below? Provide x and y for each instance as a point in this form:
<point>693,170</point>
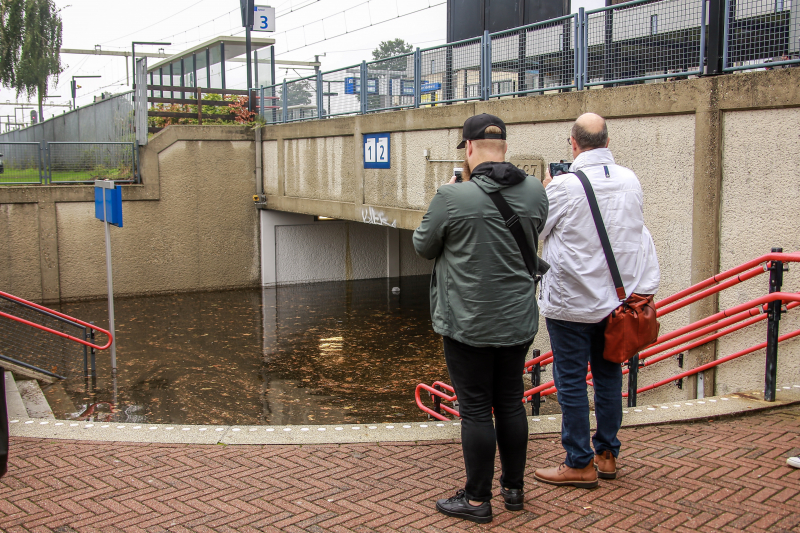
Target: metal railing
<point>761,33</point>
<point>43,340</point>
<point>22,163</point>
<point>769,307</point>
<point>50,163</point>
<point>642,41</point>
<point>536,58</point>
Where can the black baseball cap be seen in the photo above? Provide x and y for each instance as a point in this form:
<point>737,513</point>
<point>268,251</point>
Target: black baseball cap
<point>475,128</point>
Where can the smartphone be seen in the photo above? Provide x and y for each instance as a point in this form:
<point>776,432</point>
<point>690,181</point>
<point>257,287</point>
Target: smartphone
<point>556,169</point>
<point>457,171</point>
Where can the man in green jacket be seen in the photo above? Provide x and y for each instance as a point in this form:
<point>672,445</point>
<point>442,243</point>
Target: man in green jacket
<point>483,303</point>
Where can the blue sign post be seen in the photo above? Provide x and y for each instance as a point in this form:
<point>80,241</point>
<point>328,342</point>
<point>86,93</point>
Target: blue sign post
<point>108,208</point>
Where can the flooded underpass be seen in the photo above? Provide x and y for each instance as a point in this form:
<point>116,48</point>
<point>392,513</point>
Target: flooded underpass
<point>319,353</point>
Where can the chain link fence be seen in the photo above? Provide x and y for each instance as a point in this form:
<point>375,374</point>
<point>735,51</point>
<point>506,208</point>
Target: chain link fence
<point>21,163</point>
<point>761,33</point>
<point>644,40</point>
<point>391,83</point>
<point>77,162</point>
<point>451,73</point>
<point>536,58</point>
<point>301,99</point>
<point>341,91</point>
<point>641,41</point>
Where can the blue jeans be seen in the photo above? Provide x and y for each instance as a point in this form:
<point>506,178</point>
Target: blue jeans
<point>576,345</point>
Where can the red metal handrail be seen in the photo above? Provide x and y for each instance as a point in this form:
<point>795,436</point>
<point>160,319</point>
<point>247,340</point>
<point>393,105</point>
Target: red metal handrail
<point>53,331</point>
<point>747,313</point>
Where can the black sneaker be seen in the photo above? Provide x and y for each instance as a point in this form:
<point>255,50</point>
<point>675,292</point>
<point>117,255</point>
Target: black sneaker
<point>514,498</point>
<point>459,507</point>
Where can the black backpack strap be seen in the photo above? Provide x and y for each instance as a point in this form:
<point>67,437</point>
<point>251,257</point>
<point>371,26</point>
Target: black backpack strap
<point>512,223</point>
<point>601,232</point>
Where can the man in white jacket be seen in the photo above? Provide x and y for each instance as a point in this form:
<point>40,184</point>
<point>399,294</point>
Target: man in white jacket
<point>577,295</point>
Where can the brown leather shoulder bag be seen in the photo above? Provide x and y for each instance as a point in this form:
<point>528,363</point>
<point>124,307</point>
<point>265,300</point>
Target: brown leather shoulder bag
<point>632,326</point>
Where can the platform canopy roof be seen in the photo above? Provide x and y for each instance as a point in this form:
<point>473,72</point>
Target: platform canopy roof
<point>219,49</point>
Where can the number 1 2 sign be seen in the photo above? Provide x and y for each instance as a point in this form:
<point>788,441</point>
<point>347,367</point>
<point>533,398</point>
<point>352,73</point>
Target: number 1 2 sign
<point>264,19</point>
<point>377,153</point>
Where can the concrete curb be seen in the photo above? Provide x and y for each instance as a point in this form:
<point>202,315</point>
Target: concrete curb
<point>684,411</point>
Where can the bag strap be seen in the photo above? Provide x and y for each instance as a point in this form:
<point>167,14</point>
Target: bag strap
<point>512,223</point>
<point>601,232</point>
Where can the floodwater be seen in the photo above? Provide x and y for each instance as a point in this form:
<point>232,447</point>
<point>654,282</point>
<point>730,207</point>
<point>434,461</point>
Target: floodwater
<point>320,353</point>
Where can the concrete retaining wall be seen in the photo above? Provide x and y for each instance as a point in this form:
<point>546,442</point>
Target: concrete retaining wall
<point>700,148</point>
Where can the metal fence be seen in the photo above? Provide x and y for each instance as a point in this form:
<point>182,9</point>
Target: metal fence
<point>641,41</point>
<point>644,40</point>
<point>535,58</point>
<point>761,33</point>
<point>43,163</point>
<point>22,163</point>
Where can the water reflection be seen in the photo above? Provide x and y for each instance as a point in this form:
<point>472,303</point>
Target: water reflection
<point>314,353</point>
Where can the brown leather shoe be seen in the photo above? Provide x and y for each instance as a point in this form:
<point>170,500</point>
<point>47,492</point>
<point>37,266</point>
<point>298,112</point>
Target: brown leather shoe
<point>584,478</point>
<point>606,465</point>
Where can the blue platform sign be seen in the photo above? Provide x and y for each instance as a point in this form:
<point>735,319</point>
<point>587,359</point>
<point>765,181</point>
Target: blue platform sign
<point>407,87</point>
<point>352,85</point>
<point>377,150</point>
<point>113,204</point>
<point>431,87</point>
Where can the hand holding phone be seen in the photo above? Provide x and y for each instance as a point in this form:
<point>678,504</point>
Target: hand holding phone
<point>457,172</point>
<point>556,169</point>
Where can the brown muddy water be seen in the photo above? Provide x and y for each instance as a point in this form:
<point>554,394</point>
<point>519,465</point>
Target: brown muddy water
<point>318,353</point>
<point>315,353</point>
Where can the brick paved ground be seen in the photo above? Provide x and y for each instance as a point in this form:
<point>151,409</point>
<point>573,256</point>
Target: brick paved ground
<point>724,475</point>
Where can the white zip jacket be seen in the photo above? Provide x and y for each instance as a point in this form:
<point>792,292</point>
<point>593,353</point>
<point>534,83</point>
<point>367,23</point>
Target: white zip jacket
<point>578,287</point>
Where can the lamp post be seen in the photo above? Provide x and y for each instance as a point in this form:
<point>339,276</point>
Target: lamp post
<point>74,87</point>
<point>133,55</point>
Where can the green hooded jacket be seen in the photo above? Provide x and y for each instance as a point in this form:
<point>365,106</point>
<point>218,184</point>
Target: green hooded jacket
<point>481,292</point>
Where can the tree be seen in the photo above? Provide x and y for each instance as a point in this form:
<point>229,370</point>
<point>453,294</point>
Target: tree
<point>30,44</point>
<point>395,47</point>
<point>298,93</point>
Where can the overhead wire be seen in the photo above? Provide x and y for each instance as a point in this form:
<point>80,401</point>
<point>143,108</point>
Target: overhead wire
<point>430,6</point>
<point>158,22</point>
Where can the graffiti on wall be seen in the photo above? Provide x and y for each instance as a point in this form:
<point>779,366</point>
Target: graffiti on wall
<point>370,216</point>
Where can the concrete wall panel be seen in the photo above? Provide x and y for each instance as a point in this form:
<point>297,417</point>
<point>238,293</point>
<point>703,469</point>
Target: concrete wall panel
<point>202,234</point>
<point>410,263</point>
<point>320,168</point>
<point>330,251</point>
<point>760,198</point>
<point>412,181</point>
<point>269,165</point>
<point>19,250</point>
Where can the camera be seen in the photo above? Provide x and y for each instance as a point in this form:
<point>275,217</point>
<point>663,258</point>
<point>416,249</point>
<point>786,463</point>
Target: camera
<point>556,169</point>
<point>457,171</point>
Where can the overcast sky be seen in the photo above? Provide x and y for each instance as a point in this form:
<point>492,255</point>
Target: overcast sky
<point>113,24</point>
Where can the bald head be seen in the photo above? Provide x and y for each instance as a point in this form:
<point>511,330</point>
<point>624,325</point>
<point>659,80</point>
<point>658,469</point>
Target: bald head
<point>590,132</point>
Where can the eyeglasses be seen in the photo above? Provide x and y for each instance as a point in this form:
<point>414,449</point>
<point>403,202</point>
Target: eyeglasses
<point>569,141</point>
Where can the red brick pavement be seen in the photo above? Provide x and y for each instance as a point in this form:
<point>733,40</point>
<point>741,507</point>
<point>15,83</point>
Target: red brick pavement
<point>725,475</point>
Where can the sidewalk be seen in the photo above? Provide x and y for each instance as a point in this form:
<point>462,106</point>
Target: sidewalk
<point>721,475</point>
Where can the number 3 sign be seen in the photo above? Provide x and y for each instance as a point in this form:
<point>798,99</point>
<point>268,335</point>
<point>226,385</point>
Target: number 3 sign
<point>264,19</point>
<point>377,152</point>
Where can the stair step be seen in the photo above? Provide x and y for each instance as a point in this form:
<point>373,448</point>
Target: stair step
<point>35,403</point>
<point>14,405</point>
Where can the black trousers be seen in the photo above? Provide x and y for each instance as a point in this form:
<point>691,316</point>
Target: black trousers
<point>487,379</point>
